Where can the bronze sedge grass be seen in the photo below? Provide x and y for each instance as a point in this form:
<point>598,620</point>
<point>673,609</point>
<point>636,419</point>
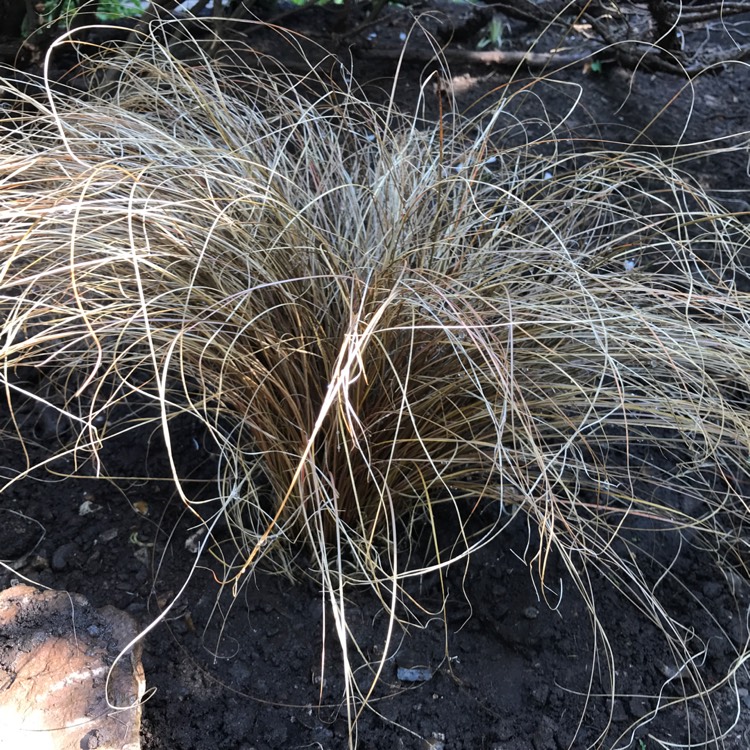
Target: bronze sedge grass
<point>373,318</point>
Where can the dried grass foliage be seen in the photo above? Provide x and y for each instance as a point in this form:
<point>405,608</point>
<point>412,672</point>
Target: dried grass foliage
<point>374,317</point>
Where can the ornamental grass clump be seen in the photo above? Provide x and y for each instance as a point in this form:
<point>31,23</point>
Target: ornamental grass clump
<point>378,319</point>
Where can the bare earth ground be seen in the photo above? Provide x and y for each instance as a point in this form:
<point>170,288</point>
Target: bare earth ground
<point>507,668</point>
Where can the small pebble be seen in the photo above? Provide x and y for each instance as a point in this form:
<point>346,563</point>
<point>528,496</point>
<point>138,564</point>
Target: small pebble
<point>414,674</point>
<point>193,542</point>
<point>109,535</point>
<point>87,507</point>
<point>531,613</point>
<point>62,556</point>
<point>38,563</point>
<point>668,670</point>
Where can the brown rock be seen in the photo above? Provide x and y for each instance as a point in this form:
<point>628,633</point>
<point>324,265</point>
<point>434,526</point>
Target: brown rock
<point>56,672</point>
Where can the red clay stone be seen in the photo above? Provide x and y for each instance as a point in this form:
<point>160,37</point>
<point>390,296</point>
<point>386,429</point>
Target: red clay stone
<point>56,653</point>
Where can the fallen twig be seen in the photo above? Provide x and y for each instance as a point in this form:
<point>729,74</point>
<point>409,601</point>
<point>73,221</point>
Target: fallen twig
<point>501,58</point>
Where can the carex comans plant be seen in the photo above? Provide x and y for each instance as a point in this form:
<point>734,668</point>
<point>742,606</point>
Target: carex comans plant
<point>380,320</point>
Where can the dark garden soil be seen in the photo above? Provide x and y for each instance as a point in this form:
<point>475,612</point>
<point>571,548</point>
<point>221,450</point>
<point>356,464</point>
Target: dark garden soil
<point>506,665</point>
